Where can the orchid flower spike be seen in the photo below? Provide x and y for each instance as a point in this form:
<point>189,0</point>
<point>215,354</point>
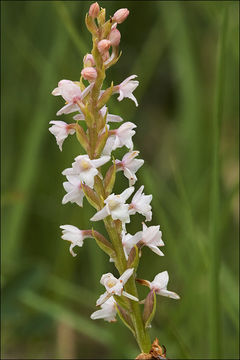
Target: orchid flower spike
<point>61,130</point>
<point>108,311</point>
<point>74,235</point>
<point>129,165</point>
<point>85,169</point>
<point>72,94</point>
<point>115,286</point>
<point>141,203</point>
<point>159,285</point>
<point>116,207</point>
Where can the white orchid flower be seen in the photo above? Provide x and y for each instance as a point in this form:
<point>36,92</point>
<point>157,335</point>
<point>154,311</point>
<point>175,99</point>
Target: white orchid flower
<point>140,203</point>
<point>129,165</point>
<point>120,137</point>
<point>152,238</point>
<point>126,89</point>
<point>74,235</point>
<point>85,169</point>
<point>129,241</point>
<point>108,311</point>
<point>74,191</point>
<point>60,130</point>
<point>116,207</point>
<point>115,286</point>
<point>159,285</point>
<point>72,94</point>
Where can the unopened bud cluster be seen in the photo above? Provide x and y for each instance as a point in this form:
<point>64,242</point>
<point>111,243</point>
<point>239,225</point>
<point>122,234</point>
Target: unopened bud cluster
<point>86,180</point>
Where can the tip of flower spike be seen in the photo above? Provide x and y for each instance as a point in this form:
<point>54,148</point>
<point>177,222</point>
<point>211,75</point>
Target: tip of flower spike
<point>94,10</point>
<point>120,15</point>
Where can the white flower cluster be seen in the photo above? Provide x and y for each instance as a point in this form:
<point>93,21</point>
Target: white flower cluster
<point>86,168</point>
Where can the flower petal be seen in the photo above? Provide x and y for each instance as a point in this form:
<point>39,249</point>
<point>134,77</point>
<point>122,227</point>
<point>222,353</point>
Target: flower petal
<point>169,294</point>
<point>101,214</point>
<point>134,298</point>
<point>126,275</point>
<point>103,298</point>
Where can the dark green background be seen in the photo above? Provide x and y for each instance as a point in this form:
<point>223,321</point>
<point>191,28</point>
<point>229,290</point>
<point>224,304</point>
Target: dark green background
<point>186,57</point>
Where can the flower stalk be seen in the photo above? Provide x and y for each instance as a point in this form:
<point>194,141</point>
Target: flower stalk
<point>87,179</point>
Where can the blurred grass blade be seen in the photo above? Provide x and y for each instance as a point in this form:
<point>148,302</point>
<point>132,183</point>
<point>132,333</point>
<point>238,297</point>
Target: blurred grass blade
<point>61,313</point>
<point>33,141</point>
<point>214,235</point>
<point>71,291</point>
<point>66,20</point>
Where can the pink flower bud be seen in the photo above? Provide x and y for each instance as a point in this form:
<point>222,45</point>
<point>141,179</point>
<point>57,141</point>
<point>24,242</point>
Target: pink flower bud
<point>94,10</point>
<point>89,73</point>
<point>105,56</point>
<point>115,37</point>
<point>120,15</point>
<point>88,60</point>
<point>103,45</point>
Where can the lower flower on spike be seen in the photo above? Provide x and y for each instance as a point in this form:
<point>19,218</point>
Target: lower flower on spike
<point>159,285</point>
<point>108,311</point>
<point>115,286</point>
<point>74,235</point>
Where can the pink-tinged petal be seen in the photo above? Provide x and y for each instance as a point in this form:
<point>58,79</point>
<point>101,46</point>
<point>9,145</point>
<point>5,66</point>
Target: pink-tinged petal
<point>156,250</point>
<point>88,176</point>
<point>67,109</point>
<point>114,118</point>
<point>132,97</point>
<point>169,294</point>
<point>138,194</point>
<point>161,279</point>
<point>130,176</point>
<point>134,298</point>
<point>68,186</point>
<point>128,79</point>
<point>121,213</point>
<point>109,145</point>
<point>127,193</point>
<point>74,180</point>
<point>87,90</point>
<point>79,117</point>
<point>121,95</point>
<point>101,161</point>
<point>74,196</point>
<point>108,311</point>
<point>104,297</point>
<point>126,275</point>
<point>135,165</point>
<point>70,228</point>
<point>71,250</point>
<point>56,92</point>
<point>101,214</point>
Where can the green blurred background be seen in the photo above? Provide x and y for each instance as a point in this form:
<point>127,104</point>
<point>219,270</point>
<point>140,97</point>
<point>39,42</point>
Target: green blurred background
<point>186,57</point>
